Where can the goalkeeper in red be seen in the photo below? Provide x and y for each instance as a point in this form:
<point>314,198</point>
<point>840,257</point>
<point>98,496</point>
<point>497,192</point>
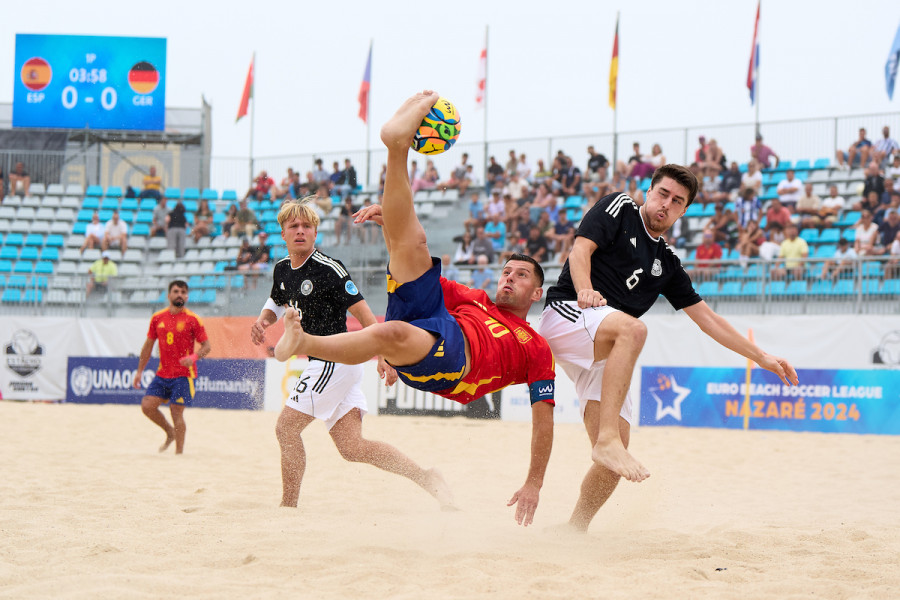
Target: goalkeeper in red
<point>178,331</point>
<point>440,336</point>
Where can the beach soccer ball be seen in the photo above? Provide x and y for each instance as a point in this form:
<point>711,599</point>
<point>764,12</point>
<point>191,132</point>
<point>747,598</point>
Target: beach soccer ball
<point>439,129</point>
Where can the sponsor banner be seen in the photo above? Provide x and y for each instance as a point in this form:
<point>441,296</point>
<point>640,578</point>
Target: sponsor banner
<point>34,356</point>
<point>233,384</point>
<point>400,399</point>
<point>827,400</point>
<point>516,401</point>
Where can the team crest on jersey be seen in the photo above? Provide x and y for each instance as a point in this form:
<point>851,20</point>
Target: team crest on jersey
<point>523,336</point>
<point>351,288</point>
<point>656,270</point>
<point>179,326</point>
<point>306,287</point>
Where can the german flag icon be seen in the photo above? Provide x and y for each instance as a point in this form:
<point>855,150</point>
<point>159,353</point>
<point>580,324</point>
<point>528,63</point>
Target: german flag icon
<point>36,74</point>
<point>143,77</point>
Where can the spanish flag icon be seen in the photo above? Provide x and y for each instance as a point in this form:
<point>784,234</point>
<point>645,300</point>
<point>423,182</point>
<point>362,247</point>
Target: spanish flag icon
<point>36,74</point>
<point>143,77</point>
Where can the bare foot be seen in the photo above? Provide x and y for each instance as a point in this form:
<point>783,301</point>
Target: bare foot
<point>436,486</point>
<point>291,343</point>
<point>170,437</point>
<point>616,458</point>
<point>400,129</point>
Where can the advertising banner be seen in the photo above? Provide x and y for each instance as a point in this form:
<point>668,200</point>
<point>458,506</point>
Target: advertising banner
<point>220,383</point>
<point>827,400</point>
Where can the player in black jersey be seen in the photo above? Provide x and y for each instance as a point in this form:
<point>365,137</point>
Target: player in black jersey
<point>619,265</point>
<point>322,289</point>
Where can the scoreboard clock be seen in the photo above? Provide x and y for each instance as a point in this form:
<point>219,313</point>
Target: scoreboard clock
<point>96,82</point>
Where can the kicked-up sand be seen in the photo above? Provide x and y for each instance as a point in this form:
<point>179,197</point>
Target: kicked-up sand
<point>90,509</point>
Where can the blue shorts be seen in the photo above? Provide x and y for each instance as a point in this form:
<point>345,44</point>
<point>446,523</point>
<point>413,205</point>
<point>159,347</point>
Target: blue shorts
<point>178,390</point>
<point>421,303</point>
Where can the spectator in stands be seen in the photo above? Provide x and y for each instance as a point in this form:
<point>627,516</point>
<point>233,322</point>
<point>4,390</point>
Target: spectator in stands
<point>19,181</point>
<point>255,259</point>
<point>832,206</point>
<point>262,185</point>
<point>715,160</point>
<point>855,156</point>
<point>747,208</point>
<point>176,229</point>
<point>514,245</point>
<point>448,270</point>
<point>789,190</point>
<point>458,176</point>
<point>464,254</point>
<point>874,180</point>
<point>708,255</point>
<point>752,178</point>
<point>843,261</point>
<point>151,186</point>
<point>369,232</point>
<point>729,185</point>
<point>481,277</point>
<point>870,202</point>
<point>889,229</point>
<point>793,249</point>
<point>523,169</point>
<point>634,192</point>
<point>536,245</point>
<point>495,175</point>
<point>477,217</point>
<point>115,233</point>
<point>885,147</point>
<point>702,150</point>
<point>160,219</point>
<point>99,273</point>
<point>496,205</point>
<point>762,154</point>
<point>344,222</point>
<point>246,221</point>
<point>570,181</point>
<point>597,166</point>
<point>203,220</point>
<point>888,190</point>
<point>809,208</point>
<point>893,170</point>
<point>892,268</point>
<point>322,201</point>
<point>93,233</point>
<point>336,179</point>
<point>866,235</point>
<point>517,187</point>
<point>542,174</point>
<point>495,229</point>
<point>350,177</point>
<point>562,237</point>
<point>482,245</point>
<point>771,247</point>
<point>749,241</point>
<point>778,213</point>
<point>230,220</point>
<point>512,164</point>
<point>2,185</point>
<point>286,184</point>
<point>723,226</point>
<point>626,168</point>
<point>319,174</point>
<point>428,180</point>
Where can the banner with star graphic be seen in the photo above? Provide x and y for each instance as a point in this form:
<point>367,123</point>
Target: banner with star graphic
<point>827,400</point>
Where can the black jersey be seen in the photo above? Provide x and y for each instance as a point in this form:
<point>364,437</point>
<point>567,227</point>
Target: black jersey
<point>321,288</point>
<point>629,267</point>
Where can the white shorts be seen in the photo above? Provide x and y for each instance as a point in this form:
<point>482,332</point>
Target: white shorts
<point>570,332</point>
<point>328,391</point>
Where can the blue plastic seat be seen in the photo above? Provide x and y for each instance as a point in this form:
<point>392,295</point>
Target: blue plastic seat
<point>752,288</point>
<point>850,234</point>
<point>229,195</point>
<point>54,240</point>
<point>34,239</point>
<point>85,215</point>
<point>5,266</point>
<point>79,228</point>
<point>822,163</point>
<point>810,235</point>
<point>17,281</point>
<point>208,296</point>
<point>708,289</point>
<point>237,281</point>
<point>872,287</point>
<point>44,267</point>
<point>209,194</point>
<point>195,281</point>
<point>11,296</point>
<point>147,204</point>
<point>94,191</point>
<point>90,203</point>
<point>140,229</point>
<point>114,191</point>
<point>127,216</point>
<point>23,266</point>
<point>110,204</point>
<point>784,166</point>
<point>172,193</point>
<point>31,296</point>
<point>129,204</point>
<point>190,193</point>
<point>29,253</point>
<point>802,165</point>
<point>105,215</point>
<point>776,288</point>
<point>825,251</point>
<point>50,253</point>
<point>796,288</point>
<point>821,287</point>
<point>9,253</point>
<point>871,268</point>
<point>844,287</point>
<point>848,219</point>
<point>731,288</point>
<point>144,216</point>
<point>829,236</point>
<point>573,202</point>
<point>38,281</point>
<point>891,286</point>
<point>14,239</point>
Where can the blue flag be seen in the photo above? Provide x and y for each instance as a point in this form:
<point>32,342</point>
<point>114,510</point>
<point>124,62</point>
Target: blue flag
<point>890,67</point>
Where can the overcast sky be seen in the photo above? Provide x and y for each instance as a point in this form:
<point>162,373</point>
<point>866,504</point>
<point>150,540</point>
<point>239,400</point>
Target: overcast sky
<point>682,63</point>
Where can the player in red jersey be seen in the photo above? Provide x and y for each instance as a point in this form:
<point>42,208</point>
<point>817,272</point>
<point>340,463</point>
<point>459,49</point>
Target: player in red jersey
<point>441,336</point>
<point>178,330</point>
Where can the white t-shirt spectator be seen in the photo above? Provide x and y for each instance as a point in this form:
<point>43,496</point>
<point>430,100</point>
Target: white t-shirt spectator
<point>846,254</point>
<point>516,189</point>
<point>867,235</point>
<point>792,196</point>
<point>833,202</point>
<point>752,181</point>
<point>496,207</point>
<point>116,229</point>
<point>94,229</point>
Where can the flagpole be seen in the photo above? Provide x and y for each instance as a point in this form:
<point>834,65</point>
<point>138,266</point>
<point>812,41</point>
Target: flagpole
<point>369,123</point>
<point>252,111</point>
<point>758,16</point>
<point>485,105</point>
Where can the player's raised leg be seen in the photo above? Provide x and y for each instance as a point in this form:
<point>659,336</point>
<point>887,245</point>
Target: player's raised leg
<point>403,233</point>
<point>618,340</point>
<point>347,436</point>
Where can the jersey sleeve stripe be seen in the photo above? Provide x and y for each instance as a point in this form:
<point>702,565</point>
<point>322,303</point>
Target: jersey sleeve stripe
<point>565,311</point>
<point>330,262</point>
<point>616,205</point>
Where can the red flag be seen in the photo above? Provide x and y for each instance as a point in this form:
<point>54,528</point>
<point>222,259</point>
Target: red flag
<point>614,68</point>
<point>248,92</point>
<point>482,77</point>
<point>753,72</point>
<point>364,89</point>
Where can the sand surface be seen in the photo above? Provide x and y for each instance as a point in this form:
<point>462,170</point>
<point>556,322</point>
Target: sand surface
<point>89,509</point>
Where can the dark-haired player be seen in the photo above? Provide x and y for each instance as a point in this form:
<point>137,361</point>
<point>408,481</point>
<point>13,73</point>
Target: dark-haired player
<point>618,267</point>
<point>321,287</point>
<point>440,336</point>
<point>178,331</point>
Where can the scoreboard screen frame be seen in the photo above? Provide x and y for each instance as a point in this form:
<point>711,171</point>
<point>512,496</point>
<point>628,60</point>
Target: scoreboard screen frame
<point>95,82</point>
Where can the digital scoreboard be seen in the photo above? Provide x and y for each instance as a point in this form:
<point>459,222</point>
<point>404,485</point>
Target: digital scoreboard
<point>76,81</point>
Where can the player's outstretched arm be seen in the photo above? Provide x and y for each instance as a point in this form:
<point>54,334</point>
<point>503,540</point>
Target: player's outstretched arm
<point>146,349</point>
<point>526,498</point>
<point>722,331</point>
<point>580,270</point>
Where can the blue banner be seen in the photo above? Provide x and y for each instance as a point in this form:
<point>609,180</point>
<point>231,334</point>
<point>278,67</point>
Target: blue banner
<point>220,383</point>
<point>827,400</point>
<point>79,81</point>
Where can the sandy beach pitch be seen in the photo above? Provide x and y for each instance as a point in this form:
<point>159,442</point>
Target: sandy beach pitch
<point>89,509</point>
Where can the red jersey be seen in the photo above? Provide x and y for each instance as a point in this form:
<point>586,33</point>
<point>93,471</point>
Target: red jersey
<point>176,334</point>
<point>504,349</point>
<point>706,252</point>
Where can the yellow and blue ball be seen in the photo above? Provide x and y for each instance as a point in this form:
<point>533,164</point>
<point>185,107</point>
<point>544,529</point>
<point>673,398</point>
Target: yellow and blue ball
<point>439,129</point>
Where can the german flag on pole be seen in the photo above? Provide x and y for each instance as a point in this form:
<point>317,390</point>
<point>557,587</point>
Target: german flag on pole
<point>36,74</point>
<point>614,68</point>
<point>248,92</point>
<point>143,77</point>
